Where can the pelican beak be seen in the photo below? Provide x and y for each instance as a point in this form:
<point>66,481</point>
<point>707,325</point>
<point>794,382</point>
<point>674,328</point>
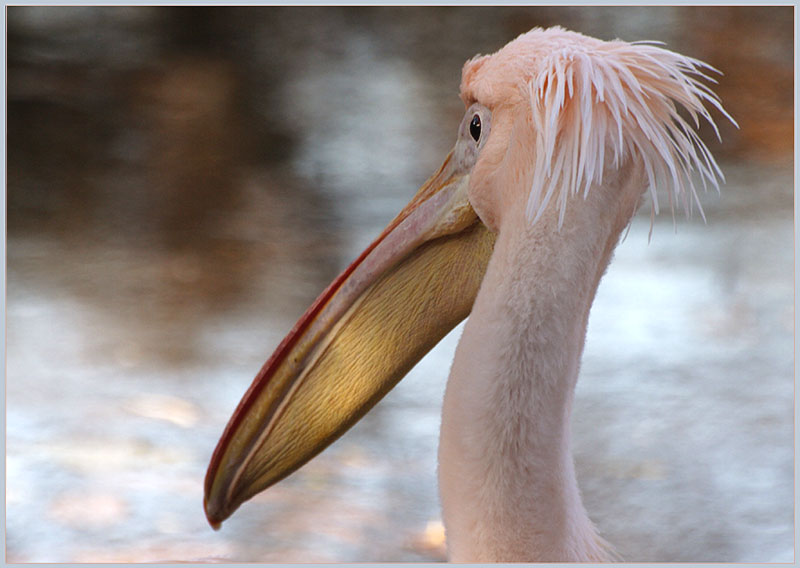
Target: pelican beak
<point>372,324</point>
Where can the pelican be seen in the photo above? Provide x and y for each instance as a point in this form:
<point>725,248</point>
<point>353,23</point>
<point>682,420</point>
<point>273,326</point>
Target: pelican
<point>562,137</point>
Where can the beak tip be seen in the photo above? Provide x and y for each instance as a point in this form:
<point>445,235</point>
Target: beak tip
<point>214,519</point>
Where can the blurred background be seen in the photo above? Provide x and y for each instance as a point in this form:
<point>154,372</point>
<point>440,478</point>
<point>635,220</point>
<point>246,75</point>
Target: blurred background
<point>183,182</point>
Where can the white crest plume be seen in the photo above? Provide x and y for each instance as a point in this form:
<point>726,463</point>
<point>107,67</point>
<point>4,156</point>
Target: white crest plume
<point>620,98</point>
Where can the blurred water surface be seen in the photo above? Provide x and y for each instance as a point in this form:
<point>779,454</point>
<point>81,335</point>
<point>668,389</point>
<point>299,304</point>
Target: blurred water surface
<point>183,182</point>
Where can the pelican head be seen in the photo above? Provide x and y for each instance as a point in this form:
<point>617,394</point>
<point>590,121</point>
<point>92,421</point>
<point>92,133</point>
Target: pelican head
<point>561,137</point>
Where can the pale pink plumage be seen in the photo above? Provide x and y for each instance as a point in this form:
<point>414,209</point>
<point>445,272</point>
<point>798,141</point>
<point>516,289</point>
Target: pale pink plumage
<point>589,100</point>
<point>580,129</point>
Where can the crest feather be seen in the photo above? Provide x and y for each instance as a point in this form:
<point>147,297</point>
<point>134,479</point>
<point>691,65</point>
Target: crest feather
<point>592,101</point>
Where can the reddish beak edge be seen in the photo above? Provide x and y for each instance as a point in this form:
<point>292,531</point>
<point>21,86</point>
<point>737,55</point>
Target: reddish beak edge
<point>438,209</point>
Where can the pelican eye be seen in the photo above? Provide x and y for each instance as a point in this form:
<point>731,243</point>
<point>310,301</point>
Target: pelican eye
<point>475,127</point>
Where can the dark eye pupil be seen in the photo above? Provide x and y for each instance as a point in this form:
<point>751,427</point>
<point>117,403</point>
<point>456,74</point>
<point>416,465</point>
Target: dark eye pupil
<point>475,127</point>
